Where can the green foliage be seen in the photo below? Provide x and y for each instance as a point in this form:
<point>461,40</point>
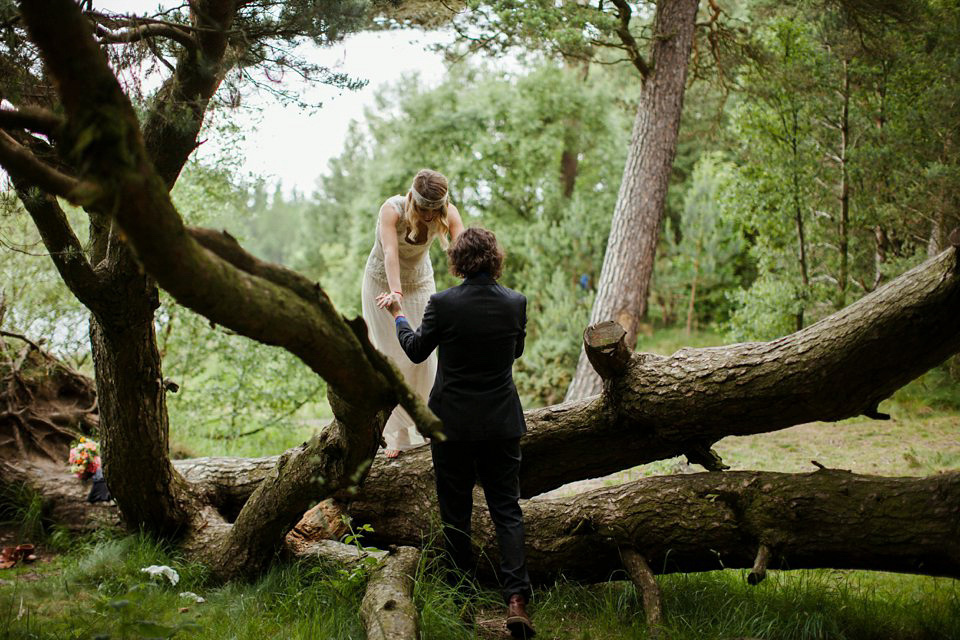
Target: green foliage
<point>22,508</point>
<point>360,571</point>
<point>705,257</point>
<point>499,139</point>
<point>232,388</point>
<point>834,105</point>
<point>33,299</point>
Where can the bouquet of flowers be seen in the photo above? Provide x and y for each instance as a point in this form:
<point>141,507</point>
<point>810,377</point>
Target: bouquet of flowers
<point>84,460</point>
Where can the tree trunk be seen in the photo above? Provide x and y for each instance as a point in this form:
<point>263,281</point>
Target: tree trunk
<point>134,430</point>
<point>798,219</point>
<point>635,231</point>
<point>843,230</point>
<point>693,284</point>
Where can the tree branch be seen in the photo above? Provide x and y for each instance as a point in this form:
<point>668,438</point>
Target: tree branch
<point>17,159</point>
<point>65,249</point>
<point>145,31</point>
<point>169,136</point>
<point>32,118</point>
<point>629,42</point>
<point>226,246</point>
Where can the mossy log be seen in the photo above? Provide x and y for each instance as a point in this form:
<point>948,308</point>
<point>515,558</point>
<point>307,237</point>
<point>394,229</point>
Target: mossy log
<point>387,608</point>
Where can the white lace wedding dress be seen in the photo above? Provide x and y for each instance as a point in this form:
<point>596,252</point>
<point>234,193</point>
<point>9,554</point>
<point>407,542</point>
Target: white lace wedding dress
<point>416,280</point>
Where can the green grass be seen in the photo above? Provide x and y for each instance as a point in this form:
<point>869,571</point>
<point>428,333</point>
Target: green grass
<point>797,605</point>
<point>187,441</point>
<point>98,590</point>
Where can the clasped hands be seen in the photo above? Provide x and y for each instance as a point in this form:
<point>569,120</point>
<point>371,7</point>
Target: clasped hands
<point>391,302</point>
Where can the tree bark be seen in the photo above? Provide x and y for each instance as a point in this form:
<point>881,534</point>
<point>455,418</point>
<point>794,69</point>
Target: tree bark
<point>708,521</point>
<point>642,576</point>
<point>843,227</point>
<point>635,231</point>
<point>387,609</point>
<point>132,399</point>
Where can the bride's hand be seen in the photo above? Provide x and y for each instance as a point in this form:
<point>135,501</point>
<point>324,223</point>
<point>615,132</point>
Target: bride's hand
<point>389,301</point>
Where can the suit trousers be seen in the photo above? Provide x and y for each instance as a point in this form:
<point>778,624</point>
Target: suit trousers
<point>496,464</point>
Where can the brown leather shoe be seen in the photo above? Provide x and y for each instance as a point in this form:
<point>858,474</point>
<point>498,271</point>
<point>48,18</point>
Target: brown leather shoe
<point>518,621</point>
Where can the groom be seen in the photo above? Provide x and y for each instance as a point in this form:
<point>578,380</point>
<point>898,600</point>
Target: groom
<point>479,328</point>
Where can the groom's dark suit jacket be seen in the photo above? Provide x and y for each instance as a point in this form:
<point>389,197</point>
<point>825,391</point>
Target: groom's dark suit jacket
<point>479,328</point>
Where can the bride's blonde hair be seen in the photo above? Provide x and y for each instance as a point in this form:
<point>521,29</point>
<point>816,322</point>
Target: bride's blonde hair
<point>428,192</point>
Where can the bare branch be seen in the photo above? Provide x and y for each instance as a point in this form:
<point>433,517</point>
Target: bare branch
<point>623,32</point>
<point>32,118</point>
<point>146,31</point>
<point>17,159</point>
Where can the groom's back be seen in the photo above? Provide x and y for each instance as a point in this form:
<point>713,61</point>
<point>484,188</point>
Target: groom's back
<point>482,330</point>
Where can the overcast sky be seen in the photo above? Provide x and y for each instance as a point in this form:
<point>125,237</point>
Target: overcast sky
<point>293,147</point>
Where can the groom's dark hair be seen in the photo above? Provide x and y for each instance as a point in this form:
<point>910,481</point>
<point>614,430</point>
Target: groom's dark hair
<point>476,250</point>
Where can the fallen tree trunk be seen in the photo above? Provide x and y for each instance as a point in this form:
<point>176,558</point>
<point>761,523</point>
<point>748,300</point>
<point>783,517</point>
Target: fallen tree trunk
<point>695,522</point>
<point>387,609</point>
<point>708,521</point>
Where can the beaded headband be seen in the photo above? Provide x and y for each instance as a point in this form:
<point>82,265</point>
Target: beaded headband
<point>426,203</point>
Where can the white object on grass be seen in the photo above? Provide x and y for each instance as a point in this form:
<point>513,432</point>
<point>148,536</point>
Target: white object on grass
<point>162,570</point>
<point>192,596</point>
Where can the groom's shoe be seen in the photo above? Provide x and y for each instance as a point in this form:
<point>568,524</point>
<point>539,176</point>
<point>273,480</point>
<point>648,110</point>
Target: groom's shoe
<point>518,621</point>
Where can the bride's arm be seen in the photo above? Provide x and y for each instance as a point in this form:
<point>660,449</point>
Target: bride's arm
<point>388,239</point>
<point>455,222</point>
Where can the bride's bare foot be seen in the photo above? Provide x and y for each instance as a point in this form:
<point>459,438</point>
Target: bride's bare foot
<point>392,453</point>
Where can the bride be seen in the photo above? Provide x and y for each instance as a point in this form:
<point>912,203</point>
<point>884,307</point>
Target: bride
<point>399,269</point>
